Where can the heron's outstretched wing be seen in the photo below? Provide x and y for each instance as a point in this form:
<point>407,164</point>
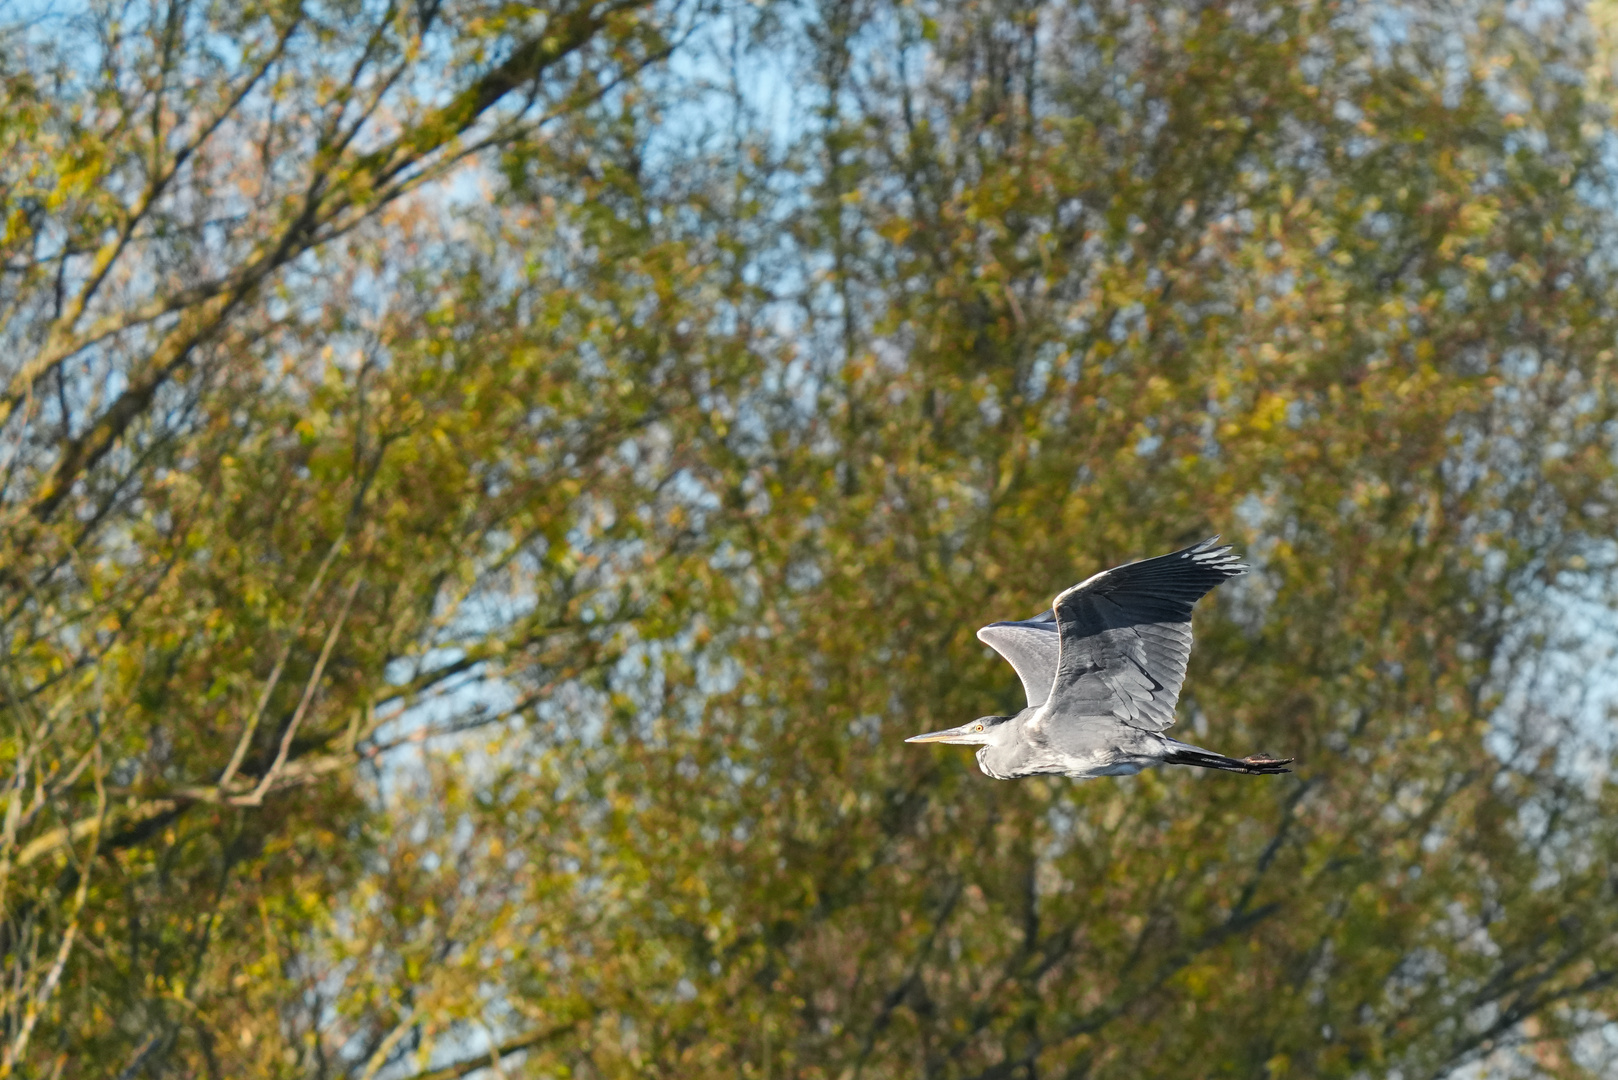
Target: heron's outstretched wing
<point>1126,635</point>
<point>1032,646</point>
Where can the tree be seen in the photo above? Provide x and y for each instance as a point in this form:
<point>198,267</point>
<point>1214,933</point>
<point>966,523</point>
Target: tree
<point>694,456</point>
<point>252,474</point>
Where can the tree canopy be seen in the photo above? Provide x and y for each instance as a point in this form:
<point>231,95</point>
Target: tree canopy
<point>486,489</point>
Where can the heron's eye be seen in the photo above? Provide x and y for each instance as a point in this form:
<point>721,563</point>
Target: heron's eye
<point>978,728</point>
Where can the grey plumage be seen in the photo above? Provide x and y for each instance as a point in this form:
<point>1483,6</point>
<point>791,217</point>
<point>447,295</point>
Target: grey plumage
<point>1102,672</point>
<point>1033,647</point>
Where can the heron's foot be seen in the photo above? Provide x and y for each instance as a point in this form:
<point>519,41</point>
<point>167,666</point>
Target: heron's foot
<point>1257,763</point>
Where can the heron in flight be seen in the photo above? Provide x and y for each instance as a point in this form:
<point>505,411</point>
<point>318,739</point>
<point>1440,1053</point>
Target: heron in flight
<point>1102,670</point>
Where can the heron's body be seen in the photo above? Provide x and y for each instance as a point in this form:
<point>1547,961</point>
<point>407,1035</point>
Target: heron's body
<point>1084,750</point>
<point>1102,672</point>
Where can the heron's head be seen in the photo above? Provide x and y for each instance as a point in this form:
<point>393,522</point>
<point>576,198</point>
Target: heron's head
<point>983,730</point>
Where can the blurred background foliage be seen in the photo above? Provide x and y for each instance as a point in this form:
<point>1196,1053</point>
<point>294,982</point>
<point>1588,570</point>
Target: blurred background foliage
<point>485,488</point>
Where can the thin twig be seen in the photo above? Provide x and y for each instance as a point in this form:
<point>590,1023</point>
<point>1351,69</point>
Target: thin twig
<point>36,1003</point>
<point>270,774</point>
<point>253,721</point>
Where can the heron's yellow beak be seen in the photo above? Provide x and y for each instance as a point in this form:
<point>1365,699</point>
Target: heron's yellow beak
<point>966,734</point>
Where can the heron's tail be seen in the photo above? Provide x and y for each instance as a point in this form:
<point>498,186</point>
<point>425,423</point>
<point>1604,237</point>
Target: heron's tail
<point>1182,754</point>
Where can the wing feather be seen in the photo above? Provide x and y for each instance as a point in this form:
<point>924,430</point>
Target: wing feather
<point>1124,636</point>
<point>1032,647</point>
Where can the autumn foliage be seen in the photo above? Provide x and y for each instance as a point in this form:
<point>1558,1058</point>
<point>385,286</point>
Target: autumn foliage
<point>485,490</point>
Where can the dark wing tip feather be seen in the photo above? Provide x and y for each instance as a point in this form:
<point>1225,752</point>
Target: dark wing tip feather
<point>1185,575</point>
<point>1223,559</point>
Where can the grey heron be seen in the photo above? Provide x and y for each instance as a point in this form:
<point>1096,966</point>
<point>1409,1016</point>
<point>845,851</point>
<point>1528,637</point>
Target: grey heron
<point>1102,670</point>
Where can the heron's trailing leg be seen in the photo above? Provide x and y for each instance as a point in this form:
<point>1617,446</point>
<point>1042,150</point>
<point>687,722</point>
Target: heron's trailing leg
<point>1206,759</point>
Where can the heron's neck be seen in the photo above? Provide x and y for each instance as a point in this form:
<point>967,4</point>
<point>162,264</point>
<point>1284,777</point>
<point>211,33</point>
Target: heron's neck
<point>1002,756</point>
